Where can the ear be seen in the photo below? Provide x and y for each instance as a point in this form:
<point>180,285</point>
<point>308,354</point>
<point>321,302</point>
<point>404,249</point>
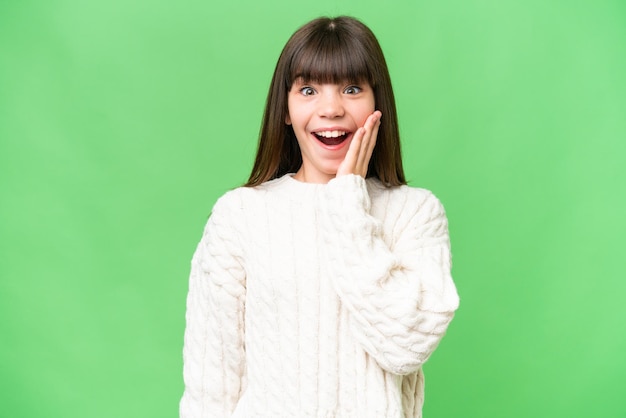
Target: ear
<point>287,119</point>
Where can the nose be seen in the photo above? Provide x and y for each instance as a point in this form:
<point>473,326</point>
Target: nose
<point>330,105</point>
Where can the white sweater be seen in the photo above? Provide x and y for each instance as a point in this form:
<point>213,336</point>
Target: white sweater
<point>313,300</point>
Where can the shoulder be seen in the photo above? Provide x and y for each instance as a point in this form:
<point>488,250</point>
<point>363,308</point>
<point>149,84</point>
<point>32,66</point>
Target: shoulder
<point>227,203</point>
<point>243,198</point>
<point>406,198</point>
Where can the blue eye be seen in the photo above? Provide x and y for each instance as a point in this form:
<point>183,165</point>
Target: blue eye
<point>353,90</point>
<point>307,91</point>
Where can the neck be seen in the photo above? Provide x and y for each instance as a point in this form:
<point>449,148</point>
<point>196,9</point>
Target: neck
<point>306,177</point>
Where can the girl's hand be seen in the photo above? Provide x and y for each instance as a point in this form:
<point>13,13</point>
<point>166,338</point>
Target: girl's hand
<point>361,148</point>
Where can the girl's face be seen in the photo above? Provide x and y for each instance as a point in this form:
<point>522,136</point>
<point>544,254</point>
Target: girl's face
<point>324,118</point>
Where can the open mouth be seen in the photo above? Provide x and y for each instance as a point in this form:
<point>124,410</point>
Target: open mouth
<point>331,138</point>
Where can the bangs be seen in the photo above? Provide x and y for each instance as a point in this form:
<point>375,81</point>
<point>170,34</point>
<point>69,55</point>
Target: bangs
<point>329,57</point>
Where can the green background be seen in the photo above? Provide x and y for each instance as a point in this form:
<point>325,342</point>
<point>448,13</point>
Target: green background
<point>121,122</point>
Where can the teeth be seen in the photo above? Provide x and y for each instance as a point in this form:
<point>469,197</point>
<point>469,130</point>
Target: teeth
<point>330,134</point>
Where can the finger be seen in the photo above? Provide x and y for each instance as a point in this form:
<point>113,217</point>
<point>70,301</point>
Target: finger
<point>375,130</point>
<point>368,142</point>
<point>348,165</point>
<point>373,140</point>
<point>367,130</point>
<point>372,134</point>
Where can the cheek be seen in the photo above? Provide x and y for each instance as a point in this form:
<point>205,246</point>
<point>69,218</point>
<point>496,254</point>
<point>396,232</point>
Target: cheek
<point>296,116</point>
<point>367,107</point>
<point>364,112</point>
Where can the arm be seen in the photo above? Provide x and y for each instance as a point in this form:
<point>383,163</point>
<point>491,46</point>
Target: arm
<point>399,293</point>
<point>213,352</point>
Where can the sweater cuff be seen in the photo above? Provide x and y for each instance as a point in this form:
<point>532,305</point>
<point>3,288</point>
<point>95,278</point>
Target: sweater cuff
<point>346,193</point>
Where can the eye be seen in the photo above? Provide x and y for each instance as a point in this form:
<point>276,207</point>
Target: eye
<point>352,90</point>
<point>307,91</point>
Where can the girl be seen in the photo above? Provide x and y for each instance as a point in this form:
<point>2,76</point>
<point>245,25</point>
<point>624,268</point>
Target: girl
<point>321,287</point>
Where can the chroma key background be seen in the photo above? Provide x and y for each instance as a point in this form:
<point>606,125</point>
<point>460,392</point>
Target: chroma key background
<point>121,122</point>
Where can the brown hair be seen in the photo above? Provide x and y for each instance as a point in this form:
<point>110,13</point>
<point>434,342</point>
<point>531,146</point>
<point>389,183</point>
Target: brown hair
<point>328,50</point>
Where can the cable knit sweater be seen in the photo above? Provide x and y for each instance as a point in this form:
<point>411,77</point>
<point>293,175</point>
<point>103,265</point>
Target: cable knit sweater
<point>316,300</point>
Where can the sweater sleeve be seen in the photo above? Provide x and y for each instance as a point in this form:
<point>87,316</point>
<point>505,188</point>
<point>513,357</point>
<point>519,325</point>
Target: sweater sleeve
<point>399,292</point>
<point>213,352</point>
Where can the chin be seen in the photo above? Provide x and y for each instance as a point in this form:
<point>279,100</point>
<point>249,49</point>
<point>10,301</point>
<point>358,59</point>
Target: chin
<point>330,170</point>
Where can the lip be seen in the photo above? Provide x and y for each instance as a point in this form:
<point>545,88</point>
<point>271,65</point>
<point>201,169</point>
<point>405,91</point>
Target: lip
<point>331,128</point>
<point>349,134</point>
<point>333,147</point>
